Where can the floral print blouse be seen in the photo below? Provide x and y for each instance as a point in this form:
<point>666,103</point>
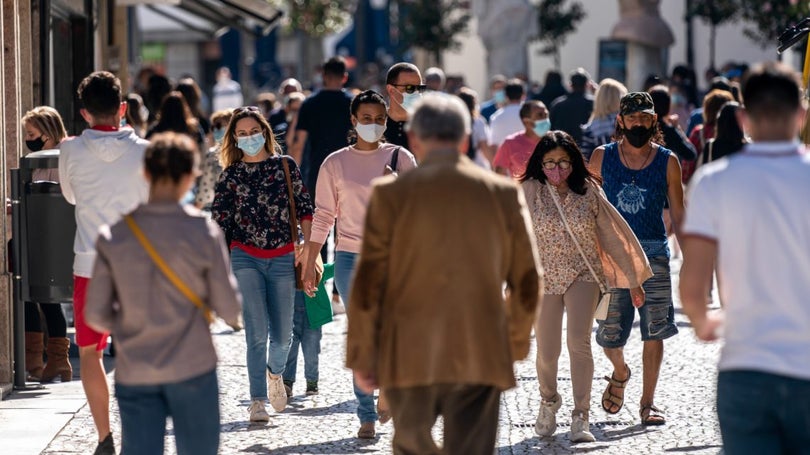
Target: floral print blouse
<point>559,255</point>
<point>252,206</point>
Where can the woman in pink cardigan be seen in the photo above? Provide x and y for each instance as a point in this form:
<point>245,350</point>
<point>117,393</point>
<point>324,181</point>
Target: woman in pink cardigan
<point>342,193</point>
<point>556,174</point>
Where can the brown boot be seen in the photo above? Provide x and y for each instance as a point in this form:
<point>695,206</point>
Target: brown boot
<point>58,363</point>
<point>33,355</point>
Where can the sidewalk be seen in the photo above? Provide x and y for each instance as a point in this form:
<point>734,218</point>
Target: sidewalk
<point>56,420</point>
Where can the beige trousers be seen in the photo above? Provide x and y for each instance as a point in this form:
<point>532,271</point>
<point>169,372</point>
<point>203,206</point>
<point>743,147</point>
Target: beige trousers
<point>579,302</point>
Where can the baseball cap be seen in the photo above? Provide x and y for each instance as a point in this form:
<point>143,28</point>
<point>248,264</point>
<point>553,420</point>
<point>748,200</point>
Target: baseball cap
<point>636,102</point>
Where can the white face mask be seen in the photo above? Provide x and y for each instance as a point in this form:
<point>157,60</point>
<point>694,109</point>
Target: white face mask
<point>370,133</point>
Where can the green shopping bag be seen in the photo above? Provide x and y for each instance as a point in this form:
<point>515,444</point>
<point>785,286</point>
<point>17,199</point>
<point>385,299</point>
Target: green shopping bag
<point>319,307</point>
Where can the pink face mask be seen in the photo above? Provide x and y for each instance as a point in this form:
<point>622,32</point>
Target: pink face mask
<point>556,176</point>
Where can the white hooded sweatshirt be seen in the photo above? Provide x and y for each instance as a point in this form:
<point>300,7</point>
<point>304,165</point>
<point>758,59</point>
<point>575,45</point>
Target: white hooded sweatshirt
<point>101,173</point>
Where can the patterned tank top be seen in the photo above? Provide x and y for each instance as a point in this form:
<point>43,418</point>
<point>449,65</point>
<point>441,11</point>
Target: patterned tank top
<point>639,195</point>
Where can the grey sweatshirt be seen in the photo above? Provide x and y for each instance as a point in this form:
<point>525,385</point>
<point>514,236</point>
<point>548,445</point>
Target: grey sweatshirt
<point>161,337</point>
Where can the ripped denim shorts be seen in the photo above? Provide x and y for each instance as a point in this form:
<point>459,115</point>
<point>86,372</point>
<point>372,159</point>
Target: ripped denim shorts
<point>657,315</point>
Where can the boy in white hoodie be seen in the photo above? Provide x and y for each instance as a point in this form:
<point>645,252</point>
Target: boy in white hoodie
<point>100,173</point>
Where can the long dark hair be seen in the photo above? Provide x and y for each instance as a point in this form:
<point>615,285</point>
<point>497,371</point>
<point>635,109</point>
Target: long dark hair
<point>553,140</point>
<point>174,115</point>
<point>727,127</point>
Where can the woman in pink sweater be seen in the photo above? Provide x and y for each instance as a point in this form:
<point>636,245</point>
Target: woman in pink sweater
<point>342,193</point>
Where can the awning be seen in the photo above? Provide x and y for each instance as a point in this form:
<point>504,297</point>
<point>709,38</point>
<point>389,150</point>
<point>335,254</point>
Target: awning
<point>205,18</point>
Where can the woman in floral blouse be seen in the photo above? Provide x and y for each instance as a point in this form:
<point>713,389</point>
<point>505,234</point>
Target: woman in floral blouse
<point>252,206</point>
<point>557,167</point>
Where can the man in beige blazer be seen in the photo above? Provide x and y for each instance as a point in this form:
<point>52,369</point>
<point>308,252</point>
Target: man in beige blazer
<point>428,322</point>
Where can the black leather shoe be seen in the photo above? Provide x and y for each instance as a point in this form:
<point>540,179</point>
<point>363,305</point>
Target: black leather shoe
<point>106,447</point>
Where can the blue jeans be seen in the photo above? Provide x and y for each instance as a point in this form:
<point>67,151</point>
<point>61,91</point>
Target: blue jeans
<point>344,273</point>
<point>193,405</point>
<point>268,294</point>
<point>657,315</point>
<point>308,338</point>
<point>763,413</point>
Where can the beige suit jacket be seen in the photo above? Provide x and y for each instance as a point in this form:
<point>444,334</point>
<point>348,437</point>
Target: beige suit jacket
<point>427,305</point>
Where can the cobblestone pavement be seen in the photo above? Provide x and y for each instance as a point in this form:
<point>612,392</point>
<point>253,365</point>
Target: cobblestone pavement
<point>326,423</point>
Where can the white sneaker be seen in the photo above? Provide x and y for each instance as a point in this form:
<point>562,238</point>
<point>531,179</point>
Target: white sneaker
<point>337,305</point>
<point>581,430</point>
<point>547,419</point>
<point>276,392</point>
<point>257,411</point>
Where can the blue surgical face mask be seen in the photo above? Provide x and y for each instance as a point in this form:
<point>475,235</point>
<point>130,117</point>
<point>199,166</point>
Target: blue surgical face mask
<point>219,134</point>
<point>499,96</point>
<point>251,145</point>
<point>409,99</point>
<point>541,127</point>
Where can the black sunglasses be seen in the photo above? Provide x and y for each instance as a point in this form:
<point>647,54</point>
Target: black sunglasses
<point>243,109</point>
<point>410,88</point>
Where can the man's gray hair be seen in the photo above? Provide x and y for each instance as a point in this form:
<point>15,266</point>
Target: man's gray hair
<point>440,117</point>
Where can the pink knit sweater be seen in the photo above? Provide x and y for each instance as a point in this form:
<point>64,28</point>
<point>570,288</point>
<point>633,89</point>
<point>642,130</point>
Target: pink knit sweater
<point>344,188</point>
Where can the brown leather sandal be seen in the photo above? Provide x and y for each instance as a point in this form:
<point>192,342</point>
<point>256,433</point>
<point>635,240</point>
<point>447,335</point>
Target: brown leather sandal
<point>614,400</point>
<point>366,431</point>
<point>654,416</point>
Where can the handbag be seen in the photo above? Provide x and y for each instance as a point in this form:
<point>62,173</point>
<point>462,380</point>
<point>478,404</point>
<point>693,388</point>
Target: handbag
<point>167,271</point>
<point>299,274</point>
<point>604,302</point>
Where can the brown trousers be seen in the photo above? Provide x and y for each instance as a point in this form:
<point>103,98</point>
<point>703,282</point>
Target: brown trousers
<point>470,415</point>
<point>579,302</point>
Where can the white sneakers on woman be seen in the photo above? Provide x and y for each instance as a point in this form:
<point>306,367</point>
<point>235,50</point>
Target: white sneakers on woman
<point>276,392</point>
<point>547,419</point>
<point>257,411</point>
<point>581,429</point>
<point>546,423</point>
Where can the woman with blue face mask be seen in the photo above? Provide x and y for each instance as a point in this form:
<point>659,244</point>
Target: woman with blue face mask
<point>210,168</point>
<point>252,206</point>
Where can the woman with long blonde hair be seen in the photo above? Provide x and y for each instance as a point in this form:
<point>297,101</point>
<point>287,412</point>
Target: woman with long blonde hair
<point>253,208</point>
<point>602,124</point>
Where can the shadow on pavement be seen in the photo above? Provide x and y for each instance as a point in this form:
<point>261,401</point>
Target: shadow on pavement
<point>296,407</point>
<point>613,435</point>
<point>693,448</point>
<point>341,446</point>
<point>556,444</point>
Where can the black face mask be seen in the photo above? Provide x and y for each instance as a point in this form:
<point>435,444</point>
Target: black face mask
<point>35,145</point>
<point>638,135</point>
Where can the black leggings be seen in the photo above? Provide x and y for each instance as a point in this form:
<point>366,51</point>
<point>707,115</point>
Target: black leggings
<point>55,320</point>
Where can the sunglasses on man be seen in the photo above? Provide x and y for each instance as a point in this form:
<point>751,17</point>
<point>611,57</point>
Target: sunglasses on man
<point>410,88</point>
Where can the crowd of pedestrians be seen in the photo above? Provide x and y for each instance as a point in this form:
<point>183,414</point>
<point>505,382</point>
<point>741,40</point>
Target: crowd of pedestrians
<point>576,193</point>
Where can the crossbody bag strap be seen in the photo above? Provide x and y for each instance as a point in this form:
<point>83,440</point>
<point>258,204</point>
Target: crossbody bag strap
<point>167,271</point>
<point>555,198</point>
<point>293,215</point>
<point>395,159</point>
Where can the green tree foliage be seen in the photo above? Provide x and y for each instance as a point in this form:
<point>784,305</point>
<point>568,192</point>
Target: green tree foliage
<point>770,18</point>
<point>317,17</point>
<point>433,25</point>
<point>713,13</point>
<point>555,22</point>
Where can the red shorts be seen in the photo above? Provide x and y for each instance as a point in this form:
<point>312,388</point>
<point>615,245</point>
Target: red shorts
<point>85,336</point>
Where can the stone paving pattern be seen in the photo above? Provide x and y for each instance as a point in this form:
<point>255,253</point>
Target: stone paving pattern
<point>326,423</point>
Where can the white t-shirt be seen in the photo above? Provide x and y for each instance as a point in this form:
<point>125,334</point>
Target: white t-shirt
<point>505,121</point>
<point>227,95</point>
<point>756,205</point>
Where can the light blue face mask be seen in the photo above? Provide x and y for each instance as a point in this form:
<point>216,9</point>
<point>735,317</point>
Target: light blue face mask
<point>541,127</point>
<point>251,145</point>
<point>499,97</point>
<point>409,99</point>
<point>219,134</point>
